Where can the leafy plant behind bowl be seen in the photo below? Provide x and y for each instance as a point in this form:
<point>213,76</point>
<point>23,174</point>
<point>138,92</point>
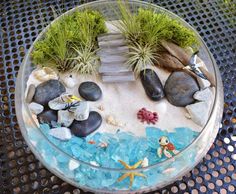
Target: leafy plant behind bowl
<point>56,48</point>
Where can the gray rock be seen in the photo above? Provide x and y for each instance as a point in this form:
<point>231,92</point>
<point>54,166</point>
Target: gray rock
<point>61,133</point>
<point>205,95</point>
<point>47,116</point>
<point>84,128</point>
<point>36,108</point>
<point>90,91</point>
<point>179,88</point>
<point>81,112</point>
<point>65,117</point>
<point>199,112</point>
<point>152,84</point>
<point>47,91</point>
<point>30,93</point>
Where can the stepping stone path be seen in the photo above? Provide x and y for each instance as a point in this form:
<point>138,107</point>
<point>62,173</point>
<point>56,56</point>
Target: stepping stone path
<point>113,56</point>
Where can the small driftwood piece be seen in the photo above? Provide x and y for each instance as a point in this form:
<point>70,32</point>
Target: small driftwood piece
<point>178,55</point>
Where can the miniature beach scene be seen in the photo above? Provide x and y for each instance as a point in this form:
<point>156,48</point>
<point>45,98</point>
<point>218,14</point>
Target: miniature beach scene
<point>121,94</point>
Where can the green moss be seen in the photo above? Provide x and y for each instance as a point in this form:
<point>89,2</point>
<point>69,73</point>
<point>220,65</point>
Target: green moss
<point>146,29</point>
<point>78,29</point>
<point>155,27</point>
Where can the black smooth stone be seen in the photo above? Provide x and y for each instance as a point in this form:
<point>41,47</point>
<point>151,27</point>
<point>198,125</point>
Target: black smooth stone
<point>180,88</point>
<point>90,91</point>
<point>84,128</point>
<point>47,116</point>
<point>152,84</point>
<point>47,91</point>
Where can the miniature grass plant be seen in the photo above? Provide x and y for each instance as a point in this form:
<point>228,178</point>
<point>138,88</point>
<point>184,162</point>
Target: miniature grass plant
<point>77,30</point>
<point>145,30</point>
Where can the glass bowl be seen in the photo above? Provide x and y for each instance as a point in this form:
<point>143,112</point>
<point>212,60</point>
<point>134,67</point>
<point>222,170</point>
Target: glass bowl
<point>97,179</point>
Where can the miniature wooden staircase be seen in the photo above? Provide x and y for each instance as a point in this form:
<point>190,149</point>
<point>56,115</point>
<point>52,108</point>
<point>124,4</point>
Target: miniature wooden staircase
<point>113,56</point>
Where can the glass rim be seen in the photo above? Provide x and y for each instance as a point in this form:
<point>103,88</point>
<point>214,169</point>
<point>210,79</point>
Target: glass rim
<point>21,83</point>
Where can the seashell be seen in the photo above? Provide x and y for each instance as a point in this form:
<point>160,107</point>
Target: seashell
<point>30,93</point>
<point>103,144</point>
<point>69,81</point>
<point>187,115</point>
<point>112,121</point>
<point>145,162</point>
<point>168,170</point>
<point>101,108</point>
<point>45,74</point>
<point>61,133</point>
<point>35,119</point>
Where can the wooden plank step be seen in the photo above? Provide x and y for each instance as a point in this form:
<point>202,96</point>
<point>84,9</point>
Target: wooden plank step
<point>116,50</point>
<point>119,78</point>
<point>113,59</point>
<point>113,68</point>
<point>109,36</point>
<point>112,43</point>
<point>115,73</point>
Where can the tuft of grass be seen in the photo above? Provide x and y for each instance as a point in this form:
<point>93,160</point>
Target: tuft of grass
<point>56,48</point>
<point>146,29</point>
<point>141,56</point>
<point>86,60</point>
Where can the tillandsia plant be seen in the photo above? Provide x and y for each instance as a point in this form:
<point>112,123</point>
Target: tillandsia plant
<point>146,29</point>
<point>79,29</point>
<point>86,60</point>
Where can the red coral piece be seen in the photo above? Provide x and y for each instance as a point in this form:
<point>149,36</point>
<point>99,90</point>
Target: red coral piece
<point>148,116</point>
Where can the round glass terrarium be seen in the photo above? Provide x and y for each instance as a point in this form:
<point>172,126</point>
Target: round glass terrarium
<point>104,179</point>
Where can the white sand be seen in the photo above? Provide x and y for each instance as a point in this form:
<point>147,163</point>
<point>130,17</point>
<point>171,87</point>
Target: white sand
<point>123,100</point>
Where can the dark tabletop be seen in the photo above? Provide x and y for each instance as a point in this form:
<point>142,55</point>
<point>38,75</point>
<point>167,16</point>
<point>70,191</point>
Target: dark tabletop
<point>20,23</point>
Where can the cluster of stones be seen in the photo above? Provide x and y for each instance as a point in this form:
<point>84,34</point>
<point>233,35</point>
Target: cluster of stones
<point>182,90</point>
<point>50,102</point>
<point>113,51</point>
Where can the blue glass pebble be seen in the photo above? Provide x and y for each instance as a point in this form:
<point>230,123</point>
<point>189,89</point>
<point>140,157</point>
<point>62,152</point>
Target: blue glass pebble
<point>121,146</point>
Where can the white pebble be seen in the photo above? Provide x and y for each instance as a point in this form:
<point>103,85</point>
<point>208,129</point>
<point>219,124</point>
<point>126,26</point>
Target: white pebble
<point>61,133</point>
<point>73,164</point>
<point>145,162</point>
<point>203,83</point>
<point>199,112</point>
<point>204,95</point>
<point>69,82</point>
<point>35,108</point>
<point>94,163</point>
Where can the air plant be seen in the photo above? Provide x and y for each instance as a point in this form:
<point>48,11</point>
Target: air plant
<point>145,30</point>
<point>86,60</point>
<point>141,56</point>
<point>78,29</point>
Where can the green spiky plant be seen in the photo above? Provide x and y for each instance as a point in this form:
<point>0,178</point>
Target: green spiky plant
<point>86,60</point>
<point>56,48</point>
<point>145,30</point>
